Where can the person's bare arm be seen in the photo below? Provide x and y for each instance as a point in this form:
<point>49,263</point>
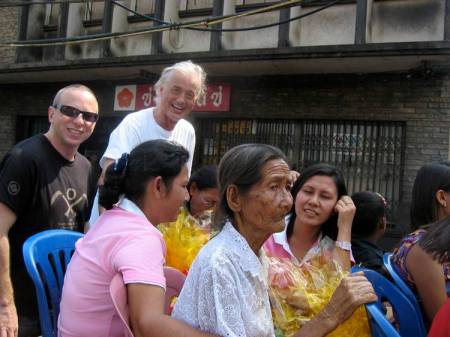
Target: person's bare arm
<point>147,318</point>
<point>346,211</point>
<point>8,313</point>
<point>353,291</point>
<point>429,279</point>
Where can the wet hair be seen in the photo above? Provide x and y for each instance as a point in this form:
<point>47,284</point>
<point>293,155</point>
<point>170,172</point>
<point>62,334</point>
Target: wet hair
<point>437,240</point>
<point>370,210</point>
<point>329,227</point>
<point>130,175</point>
<point>241,166</point>
<point>205,177</point>
<point>57,98</point>
<point>187,68</point>
<point>424,206</point>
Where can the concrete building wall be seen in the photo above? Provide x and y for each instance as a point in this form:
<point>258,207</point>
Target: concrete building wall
<point>75,27</point>
<point>9,31</point>
<point>333,26</point>
<point>406,21</point>
<point>251,39</point>
<point>183,40</point>
<point>388,21</point>
<point>132,45</point>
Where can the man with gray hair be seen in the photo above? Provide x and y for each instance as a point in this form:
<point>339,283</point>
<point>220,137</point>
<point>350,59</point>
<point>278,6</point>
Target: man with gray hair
<point>44,184</point>
<point>177,91</point>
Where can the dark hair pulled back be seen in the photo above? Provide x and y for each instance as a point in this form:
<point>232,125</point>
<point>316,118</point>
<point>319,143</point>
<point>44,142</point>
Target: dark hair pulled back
<point>130,175</point>
<point>370,210</point>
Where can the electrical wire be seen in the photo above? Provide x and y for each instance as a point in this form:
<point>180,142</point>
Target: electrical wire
<point>107,36</point>
<point>27,3</point>
<point>168,26</point>
<point>151,18</point>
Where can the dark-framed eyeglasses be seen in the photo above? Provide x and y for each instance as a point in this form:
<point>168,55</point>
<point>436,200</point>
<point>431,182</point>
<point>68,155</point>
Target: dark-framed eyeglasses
<point>72,112</point>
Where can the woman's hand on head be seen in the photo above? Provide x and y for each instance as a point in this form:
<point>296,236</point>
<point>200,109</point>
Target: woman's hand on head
<point>346,211</point>
<point>293,176</point>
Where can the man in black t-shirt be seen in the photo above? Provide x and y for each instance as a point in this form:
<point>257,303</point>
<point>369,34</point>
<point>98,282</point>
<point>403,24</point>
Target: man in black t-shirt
<point>44,183</point>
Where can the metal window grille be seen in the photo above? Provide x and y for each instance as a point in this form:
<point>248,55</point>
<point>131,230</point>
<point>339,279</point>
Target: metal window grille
<point>369,153</point>
<point>49,15</point>
<point>142,6</point>
<point>188,5</point>
<point>93,10</point>
<point>88,10</point>
<point>254,2</point>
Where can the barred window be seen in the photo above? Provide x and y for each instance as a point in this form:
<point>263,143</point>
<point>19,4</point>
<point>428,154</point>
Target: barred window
<point>370,153</point>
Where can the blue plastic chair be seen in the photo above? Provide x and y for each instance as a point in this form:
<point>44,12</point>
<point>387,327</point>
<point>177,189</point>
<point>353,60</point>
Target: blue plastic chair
<point>398,279</point>
<point>380,325</point>
<point>46,256</point>
<point>403,286</point>
<point>409,320</point>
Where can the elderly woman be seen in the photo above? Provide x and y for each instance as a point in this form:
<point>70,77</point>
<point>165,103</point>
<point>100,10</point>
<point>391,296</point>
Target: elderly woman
<point>225,292</point>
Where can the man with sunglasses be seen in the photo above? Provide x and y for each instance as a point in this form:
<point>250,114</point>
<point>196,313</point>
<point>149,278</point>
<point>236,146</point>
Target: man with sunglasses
<point>177,91</point>
<point>44,184</point>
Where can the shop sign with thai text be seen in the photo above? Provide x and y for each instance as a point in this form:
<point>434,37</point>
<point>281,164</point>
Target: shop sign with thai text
<point>134,97</point>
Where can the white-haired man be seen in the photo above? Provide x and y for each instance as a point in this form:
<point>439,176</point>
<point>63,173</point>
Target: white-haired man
<point>177,91</point>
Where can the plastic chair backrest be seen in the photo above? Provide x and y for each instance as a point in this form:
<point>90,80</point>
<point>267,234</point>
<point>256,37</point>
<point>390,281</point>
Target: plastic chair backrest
<point>407,317</point>
<point>403,286</point>
<point>174,283</point>
<point>398,279</point>
<point>46,255</point>
<point>380,325</point>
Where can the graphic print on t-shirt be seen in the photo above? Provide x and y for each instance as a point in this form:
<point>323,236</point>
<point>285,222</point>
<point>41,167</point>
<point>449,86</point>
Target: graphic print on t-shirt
<point>67,202</point>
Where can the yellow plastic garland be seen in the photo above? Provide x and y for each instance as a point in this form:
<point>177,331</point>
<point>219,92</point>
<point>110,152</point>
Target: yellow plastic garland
<point>298,293</point>
<point>184,238</point>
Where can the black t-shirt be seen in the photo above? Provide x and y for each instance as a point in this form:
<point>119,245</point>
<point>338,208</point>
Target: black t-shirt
<point>45,191</point>
<point>369,255</point>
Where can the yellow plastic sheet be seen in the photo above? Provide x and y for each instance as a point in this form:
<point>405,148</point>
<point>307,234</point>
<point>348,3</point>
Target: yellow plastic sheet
<point>298,293</point>
<point>184,238</point>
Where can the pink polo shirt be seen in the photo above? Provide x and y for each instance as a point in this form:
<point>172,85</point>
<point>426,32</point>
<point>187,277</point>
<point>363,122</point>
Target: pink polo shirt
<point>277,245</point>
<point>123,241</point>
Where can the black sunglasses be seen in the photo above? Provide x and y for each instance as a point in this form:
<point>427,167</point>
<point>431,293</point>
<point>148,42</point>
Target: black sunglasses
<point>72,112</point>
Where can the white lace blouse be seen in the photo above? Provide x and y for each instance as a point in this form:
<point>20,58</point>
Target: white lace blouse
<point>225,292</point>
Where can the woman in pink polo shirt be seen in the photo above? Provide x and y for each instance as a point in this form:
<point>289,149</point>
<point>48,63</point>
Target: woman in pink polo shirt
<point>141,190</point>
<point>322,214</point>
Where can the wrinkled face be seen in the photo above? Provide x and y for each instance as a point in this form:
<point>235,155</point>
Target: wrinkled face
<point>266,204</point>
<point>71,131</point>
<point>178,95</point>
<point>316,200</point>
<point>175,196</point>
<point>202,200</point>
